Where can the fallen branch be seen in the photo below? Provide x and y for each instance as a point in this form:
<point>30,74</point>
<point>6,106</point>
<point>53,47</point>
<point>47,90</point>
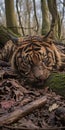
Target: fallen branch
<point>21,112</point>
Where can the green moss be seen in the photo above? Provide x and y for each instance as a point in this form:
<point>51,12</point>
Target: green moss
<point>56,82</point>
<point>5,30</point>
<point>6,34</point>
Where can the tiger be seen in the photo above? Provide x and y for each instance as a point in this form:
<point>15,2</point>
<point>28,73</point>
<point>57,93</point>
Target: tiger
<point>34,58</point>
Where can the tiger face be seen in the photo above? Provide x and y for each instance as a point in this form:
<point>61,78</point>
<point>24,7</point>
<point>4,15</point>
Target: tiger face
<point>35,59</point>
<point>31,68</point>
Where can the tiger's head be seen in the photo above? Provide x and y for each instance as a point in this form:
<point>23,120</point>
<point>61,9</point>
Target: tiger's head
<point>35,59</point>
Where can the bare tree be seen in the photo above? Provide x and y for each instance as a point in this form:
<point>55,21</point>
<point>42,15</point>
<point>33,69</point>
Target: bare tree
<point>11,20</point>
<point>45,19</point>
<point>55,23</point>
<point>28,16</point>
<point>35,14</point>
<point>20,22</point>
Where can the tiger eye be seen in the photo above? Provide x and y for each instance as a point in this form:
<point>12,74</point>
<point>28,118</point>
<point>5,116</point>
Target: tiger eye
<point>19,59</point>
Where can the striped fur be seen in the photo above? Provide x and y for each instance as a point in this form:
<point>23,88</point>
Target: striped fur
<point>34,59</point>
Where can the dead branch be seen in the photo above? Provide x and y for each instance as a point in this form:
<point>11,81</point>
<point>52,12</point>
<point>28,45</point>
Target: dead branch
<point>21,112</point>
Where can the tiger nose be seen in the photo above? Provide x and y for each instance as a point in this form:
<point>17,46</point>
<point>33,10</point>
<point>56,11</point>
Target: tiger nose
<point>41,77</point>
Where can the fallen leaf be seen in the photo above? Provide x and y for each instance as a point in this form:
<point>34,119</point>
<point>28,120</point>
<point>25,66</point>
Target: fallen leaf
<point>7,104</point>
<point>53,107</point>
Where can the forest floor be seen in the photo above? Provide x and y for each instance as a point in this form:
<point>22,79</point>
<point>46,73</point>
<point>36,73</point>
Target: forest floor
<point>22,107</point>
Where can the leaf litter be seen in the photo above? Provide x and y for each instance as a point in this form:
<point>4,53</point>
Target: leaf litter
<point>13,94</point>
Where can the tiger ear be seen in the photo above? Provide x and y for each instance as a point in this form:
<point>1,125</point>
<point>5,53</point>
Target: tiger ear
<point>49,34</point>
<point>20,39</point>
<point>49,37</point>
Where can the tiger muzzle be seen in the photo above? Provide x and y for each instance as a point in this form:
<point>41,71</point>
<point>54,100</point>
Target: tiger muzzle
<point>40,74</point>
<point>37,76</point>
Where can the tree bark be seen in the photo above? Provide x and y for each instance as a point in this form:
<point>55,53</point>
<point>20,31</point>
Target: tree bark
<point>45,19</point>
<point>19,17</point>
<point>11,20</point>
<point>6,34</point>
<point>28,16</point>
<point>56,82</point>
<point>34,6</point>
<point>55,23</point>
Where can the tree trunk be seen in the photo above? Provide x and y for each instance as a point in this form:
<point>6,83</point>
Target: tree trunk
<point>11,21</point>
<point>35,15</point>
<point>56,82</point>
<point>19,17</point>
<point>45,19</point>
<point>28,16</point>
<point>55,23</point>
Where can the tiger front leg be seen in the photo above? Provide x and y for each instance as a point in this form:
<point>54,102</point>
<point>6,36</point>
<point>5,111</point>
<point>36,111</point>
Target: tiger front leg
<point>7,51</point>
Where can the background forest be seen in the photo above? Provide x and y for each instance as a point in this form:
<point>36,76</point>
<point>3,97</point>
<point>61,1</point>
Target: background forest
<point>33,17</point>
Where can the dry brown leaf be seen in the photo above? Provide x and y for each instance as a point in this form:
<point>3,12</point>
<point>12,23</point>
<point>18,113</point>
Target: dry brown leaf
<point>53,107</point>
